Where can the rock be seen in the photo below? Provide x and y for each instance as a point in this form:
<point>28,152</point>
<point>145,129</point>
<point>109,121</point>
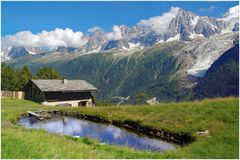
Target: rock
<point>152,101</point>
<point>109,114</point>
<point>203,132</point>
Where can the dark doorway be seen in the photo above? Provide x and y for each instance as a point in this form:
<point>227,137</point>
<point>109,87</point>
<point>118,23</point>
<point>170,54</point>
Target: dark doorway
<point>82,104</point>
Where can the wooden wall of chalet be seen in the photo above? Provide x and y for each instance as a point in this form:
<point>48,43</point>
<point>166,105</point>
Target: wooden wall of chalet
<point>66,96</point>
<point>33,93</point>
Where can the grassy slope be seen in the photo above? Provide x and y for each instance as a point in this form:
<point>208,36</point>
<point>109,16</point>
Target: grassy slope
<point>152,69</point>
<point>219,116</point>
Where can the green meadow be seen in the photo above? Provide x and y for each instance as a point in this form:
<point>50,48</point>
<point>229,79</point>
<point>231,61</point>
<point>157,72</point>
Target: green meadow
<point>219,116</point>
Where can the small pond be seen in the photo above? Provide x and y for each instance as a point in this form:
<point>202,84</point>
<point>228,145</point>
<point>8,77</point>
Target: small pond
<point>104,133</point>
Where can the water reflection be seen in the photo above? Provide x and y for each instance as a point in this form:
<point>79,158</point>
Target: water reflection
<point>103,133</point>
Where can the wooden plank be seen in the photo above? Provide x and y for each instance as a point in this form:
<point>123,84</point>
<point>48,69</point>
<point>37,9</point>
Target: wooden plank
<point>34,114</point>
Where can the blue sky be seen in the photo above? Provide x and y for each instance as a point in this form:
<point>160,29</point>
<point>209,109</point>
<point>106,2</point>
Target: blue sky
<point>80,16</point>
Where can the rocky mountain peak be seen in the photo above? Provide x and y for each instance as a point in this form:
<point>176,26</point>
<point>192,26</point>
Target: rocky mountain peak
<point>17,51</point>
<point>231,13</point>
<point>177,24</point>
<point>63,49</point>
<point>231,18</point>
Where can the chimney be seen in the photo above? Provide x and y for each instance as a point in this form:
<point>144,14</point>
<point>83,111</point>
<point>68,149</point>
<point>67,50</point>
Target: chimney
<point>64,81</point>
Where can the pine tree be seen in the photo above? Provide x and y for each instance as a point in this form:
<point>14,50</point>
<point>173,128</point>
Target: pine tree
<point>47,73</point>
<point>141,97</point>
<point>24,75</point>
<point>9,78</point>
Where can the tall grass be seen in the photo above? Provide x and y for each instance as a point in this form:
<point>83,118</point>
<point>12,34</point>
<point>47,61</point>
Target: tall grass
<point>219,116</point>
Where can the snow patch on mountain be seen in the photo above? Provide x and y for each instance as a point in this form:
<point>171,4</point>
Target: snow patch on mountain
<point>4,57</point>
<point>9,48</point>
<point>194,21</point>
<point>208,51</point>
<point>90,52</point>
<point>231,14</point>
<point>231,17</point>
<point>133,46</point>
<point>194,35</point>
<point>30,52</point>
<point>175,38</point>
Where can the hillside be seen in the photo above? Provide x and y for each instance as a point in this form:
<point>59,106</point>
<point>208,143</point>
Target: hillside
<point>222,78</point>
<point>165,59</point>
<point>219,116</point>
<point>163,70</point>
<point>120,74</point>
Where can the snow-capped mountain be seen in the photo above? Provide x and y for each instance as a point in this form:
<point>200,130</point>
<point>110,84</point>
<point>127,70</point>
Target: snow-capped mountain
<point>231,18</point>
<point>232,13</point>
<point>177,24</point>
<point>187,23</point>
<point>184,25</point>
<point>13,52</point>
<point>166,55</point>
<point>95,41</point>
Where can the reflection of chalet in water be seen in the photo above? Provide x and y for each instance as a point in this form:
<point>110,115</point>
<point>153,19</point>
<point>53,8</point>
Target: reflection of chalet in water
<point>60,92</point>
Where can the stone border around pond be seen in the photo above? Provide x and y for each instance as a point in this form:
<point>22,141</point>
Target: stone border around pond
<point>177,138</point>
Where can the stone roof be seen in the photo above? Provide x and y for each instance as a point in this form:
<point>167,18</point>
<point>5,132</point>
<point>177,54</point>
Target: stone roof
<point>63,85</point>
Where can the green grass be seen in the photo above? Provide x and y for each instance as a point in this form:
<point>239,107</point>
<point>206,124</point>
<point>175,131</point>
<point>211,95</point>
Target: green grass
<point>219,116</point>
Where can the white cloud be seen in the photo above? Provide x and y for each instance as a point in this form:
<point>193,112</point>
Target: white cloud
<point>160,23</point>
<point>116,34</point>
<point>58,37</point>
<point>209,9</point>
<point>94,29</point>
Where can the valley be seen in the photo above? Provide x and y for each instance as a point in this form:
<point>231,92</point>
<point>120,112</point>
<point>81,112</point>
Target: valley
<point>164,62</point>
<point>120,80</point>
<point>168,70</point>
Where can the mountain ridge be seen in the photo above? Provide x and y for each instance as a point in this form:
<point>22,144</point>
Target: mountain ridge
<point>166,65</point>
<point>184,26</point>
